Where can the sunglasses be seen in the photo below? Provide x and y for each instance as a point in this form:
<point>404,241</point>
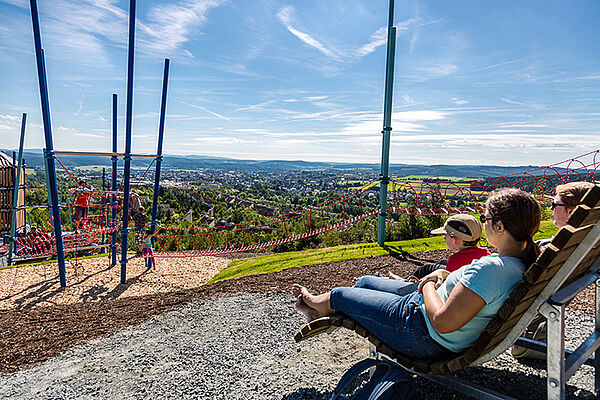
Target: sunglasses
<point>483,218</point>
<point>553,205</point>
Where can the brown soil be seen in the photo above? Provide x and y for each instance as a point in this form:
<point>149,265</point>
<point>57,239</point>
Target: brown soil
<point>37,324</point>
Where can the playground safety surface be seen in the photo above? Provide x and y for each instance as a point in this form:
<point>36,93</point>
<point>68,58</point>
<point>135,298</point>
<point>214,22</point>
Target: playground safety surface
<point>34,331</point>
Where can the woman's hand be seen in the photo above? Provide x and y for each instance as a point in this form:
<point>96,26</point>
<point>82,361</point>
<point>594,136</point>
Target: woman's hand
<point>437,277</point>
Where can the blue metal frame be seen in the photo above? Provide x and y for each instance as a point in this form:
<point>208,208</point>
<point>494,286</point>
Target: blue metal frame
<point>159,157</point>
<point>387,128</point>
<point>113,200</point>
<point>127,153</point>
<point>13,222</point>
<point>49,153</point>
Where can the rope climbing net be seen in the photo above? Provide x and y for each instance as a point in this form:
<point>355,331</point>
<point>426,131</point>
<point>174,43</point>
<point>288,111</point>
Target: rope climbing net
<point>405,197</point>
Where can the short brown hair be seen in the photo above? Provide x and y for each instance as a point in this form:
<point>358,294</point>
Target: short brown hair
<point>571,193</point>
<point>470,243</point>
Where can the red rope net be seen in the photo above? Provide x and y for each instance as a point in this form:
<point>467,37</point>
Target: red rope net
<point>406,196</point>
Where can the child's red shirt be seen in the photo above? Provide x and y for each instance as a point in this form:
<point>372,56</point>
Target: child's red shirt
<point>465,256</point>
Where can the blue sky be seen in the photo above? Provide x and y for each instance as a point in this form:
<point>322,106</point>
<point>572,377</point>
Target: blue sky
<point>505,83</point>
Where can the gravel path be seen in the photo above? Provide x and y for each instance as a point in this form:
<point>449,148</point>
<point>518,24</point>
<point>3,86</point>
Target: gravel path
<point>240,346</point>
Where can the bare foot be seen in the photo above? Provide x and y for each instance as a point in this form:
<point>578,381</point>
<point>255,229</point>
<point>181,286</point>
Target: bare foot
<point>392,275</point>
<point>296,290</point>
<point>308,312</point>
<point>320,303</point>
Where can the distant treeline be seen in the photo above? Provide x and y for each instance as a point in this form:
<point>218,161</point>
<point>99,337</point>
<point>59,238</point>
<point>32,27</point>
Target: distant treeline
<point>542,184</point>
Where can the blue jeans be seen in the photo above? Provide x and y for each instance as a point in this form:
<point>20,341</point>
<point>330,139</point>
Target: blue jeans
<point>386,285</point>
<point>396,320</point>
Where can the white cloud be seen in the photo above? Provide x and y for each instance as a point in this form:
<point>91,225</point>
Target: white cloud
<point>437,71</point>
<point>18,3</point>
<point>458,101</point>
<point>206,110</point>
<point>83,30</point>
<point>512,101</point>
<point>285,15</point>
<point>314,98</point>
<point>377,39</point>
<point>258,106</point>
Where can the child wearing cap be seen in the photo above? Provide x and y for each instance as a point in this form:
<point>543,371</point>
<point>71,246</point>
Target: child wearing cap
<point>461,233</point>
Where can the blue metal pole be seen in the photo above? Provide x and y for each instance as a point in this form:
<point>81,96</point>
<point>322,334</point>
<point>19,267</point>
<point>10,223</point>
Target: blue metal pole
<point>13,222</point>
<point>127,154</point>
<point>104,213</point>
<point>27,214</point>
<point>159,157</point>
<point>113,199</point>
<point>387,127</point>
<point>49,154</point>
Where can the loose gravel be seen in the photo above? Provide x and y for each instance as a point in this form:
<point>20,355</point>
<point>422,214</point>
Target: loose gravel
<point>240,346</point>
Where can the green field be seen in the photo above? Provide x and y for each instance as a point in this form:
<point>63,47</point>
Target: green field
<point>278,262</point>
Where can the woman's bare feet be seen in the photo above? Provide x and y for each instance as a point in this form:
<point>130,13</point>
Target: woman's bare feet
<point>392,275</point>
<point>318,303</point>
<point>308,312</point>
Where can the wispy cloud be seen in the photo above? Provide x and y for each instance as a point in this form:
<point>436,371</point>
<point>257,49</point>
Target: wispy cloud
<point>437,70</point>
<point>458,101</point>
<point>171,25</point>
<point>378,38</point>
<point>84,30</point>
<point>258,106</point>
<point>509,101</point>
<point>286,16</point>
<point>206,110</point>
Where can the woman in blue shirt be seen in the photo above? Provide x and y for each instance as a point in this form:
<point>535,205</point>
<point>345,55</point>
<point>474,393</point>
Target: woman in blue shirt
<point>449,310</point>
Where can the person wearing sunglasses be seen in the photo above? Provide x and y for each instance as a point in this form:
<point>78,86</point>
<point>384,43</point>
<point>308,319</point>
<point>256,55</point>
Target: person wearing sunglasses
<point>568,196</point>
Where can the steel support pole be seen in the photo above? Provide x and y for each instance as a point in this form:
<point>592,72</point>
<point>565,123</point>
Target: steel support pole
<point>49,154</point>
<point>127,154</point>
<point>387,122</point>
<point>555,361</point>
<point>27,213</point>
<point>17,181</point>
<point>159,157</point>
<point>104,213</point>
<point>113,198</point>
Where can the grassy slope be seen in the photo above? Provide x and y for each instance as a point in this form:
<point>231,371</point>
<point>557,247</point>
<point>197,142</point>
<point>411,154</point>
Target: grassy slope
<point>277,262</point>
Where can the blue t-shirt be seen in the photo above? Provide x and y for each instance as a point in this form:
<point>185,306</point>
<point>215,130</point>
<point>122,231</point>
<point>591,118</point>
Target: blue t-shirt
<point>492,278</point>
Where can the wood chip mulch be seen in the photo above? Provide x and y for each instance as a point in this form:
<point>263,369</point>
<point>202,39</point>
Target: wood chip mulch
<point>39,321</point>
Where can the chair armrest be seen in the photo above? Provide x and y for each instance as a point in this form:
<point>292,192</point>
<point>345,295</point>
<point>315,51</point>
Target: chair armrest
<point>566,294</point>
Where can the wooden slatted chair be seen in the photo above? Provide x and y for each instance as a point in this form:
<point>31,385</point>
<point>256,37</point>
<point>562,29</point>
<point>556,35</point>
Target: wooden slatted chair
<point>566,267</point>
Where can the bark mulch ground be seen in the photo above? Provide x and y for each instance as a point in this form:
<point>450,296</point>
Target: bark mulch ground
<point>33,335</point>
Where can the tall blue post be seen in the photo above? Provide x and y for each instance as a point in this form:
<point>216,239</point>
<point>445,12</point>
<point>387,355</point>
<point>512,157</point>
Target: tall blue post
<point>159,157</point>
<point>49,154</point>
<point>387,126</point>
<point>17,181</point>
<point>127,154</point>
<point>113,199</point>
<point>104,213</point>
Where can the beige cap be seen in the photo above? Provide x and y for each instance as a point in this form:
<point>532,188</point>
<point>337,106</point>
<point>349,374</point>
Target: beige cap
<point>462,226</point>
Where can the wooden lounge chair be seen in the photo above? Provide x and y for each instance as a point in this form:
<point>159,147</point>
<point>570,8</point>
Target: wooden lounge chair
<point>566,267</point>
